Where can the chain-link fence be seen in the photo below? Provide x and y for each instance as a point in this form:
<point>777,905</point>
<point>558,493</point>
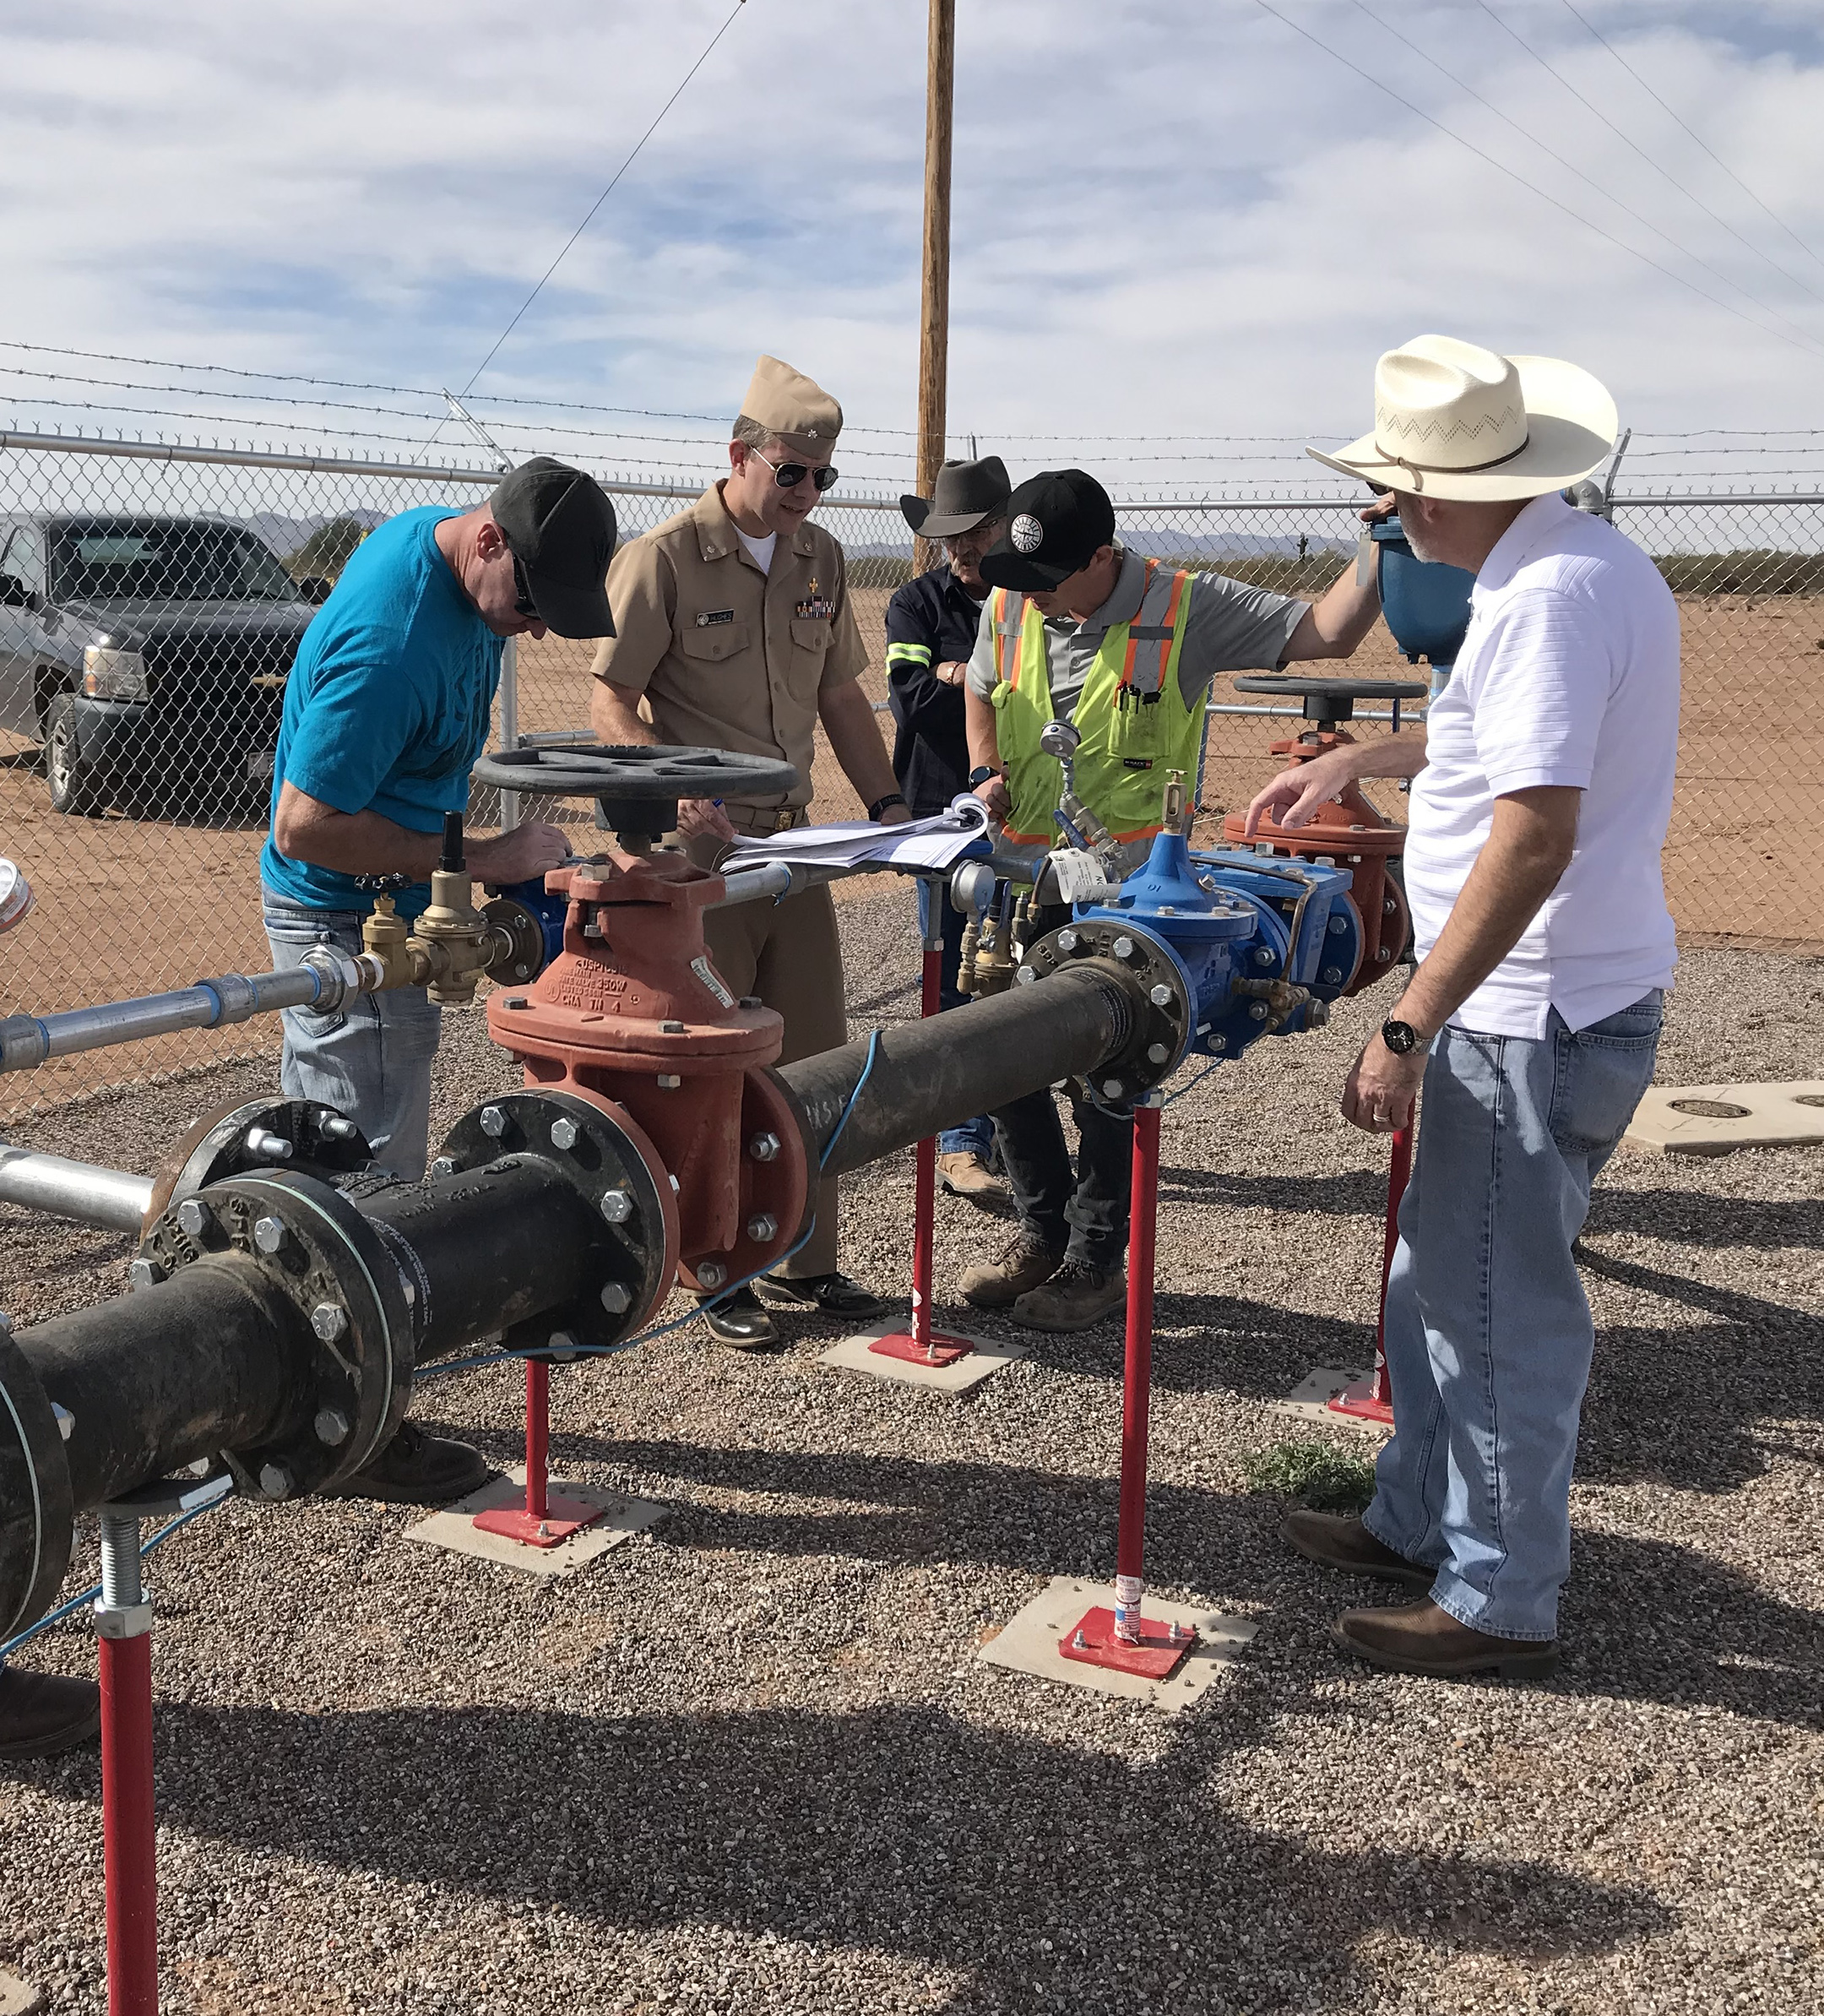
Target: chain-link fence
<point>151,600</point>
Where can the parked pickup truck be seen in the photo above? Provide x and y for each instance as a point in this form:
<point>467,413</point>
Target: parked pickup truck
<point>149,655</point>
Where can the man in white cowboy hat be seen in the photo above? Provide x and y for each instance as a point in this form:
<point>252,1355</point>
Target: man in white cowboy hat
<point>1541,796</point>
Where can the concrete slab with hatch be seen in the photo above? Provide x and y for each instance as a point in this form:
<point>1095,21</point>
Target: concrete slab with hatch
<point>1710,1120</point>
<point>1029,1644</point>
<point>455,1528</point>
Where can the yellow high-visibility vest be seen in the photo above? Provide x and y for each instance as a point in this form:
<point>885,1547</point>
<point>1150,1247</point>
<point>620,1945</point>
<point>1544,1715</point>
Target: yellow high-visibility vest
<point>1131,714</point>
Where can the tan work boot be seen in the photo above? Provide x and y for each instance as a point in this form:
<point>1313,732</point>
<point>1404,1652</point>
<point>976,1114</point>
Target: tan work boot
<point>1077,1298</point>
<point>964,1174</point>
<point>999,1283</point>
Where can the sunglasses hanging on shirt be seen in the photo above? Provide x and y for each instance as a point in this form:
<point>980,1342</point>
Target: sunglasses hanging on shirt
<point>790,475</point>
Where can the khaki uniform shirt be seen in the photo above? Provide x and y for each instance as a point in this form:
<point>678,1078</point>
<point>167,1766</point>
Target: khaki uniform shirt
<point>728,657</point>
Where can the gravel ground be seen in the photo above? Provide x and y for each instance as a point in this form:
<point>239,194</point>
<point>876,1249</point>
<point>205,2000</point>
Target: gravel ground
<point>750,1764</point>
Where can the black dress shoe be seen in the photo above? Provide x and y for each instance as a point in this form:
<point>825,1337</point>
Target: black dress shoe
<point>739,1319</point>
<point>416,1469</point>
<point>833,1294</point>
<point>41,1714</point>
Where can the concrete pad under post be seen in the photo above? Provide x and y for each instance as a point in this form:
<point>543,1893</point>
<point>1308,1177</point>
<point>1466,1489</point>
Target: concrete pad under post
<point>1029,1644</point>
<point>1310,1399</point>
<point>985,1359</point>
<point>455,1529</point>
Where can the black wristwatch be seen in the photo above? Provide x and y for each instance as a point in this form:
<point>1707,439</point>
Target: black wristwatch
<point>880,805</point>
<point>1400,1037</point>
<point>981,774</point>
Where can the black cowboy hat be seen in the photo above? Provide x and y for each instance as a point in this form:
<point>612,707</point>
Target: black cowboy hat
<point>963,495</point>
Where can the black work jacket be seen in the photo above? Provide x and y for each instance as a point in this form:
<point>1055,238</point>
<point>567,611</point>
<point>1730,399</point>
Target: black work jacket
<point>931,614</point>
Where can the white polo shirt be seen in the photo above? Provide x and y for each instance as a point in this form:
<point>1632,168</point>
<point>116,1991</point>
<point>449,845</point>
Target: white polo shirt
<point>1569,675</point>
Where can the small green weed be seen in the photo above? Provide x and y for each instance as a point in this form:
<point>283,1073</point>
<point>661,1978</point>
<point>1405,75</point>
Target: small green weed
<point>1317,1474</point>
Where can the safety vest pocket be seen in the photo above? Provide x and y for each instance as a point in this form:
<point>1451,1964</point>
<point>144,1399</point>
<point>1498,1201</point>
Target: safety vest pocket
<point>1137,733</point>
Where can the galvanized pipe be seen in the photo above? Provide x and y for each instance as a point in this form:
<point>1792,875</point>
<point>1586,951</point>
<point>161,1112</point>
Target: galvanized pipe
<point>111,1199</point>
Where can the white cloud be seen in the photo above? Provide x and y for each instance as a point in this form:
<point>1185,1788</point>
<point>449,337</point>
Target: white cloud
<point>1168,219</point>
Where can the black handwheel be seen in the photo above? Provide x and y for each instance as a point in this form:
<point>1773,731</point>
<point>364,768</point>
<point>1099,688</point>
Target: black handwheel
<point>1328,701</point>
<point>638,786</point>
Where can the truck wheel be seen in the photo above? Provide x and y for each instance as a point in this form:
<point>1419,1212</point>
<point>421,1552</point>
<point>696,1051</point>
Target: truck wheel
<point>75,789</point>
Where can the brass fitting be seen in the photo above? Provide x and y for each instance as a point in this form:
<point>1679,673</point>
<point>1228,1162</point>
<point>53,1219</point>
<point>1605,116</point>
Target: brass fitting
<point>385,937</point>
<point>453,944</point>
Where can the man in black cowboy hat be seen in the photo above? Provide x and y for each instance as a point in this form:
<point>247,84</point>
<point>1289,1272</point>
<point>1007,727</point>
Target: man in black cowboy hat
<point>931,630</point>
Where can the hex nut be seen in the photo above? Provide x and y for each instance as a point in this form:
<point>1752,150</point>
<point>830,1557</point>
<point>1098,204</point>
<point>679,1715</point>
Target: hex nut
<point>564,1132</point>
<point>671,1028</point>
<point>194,1217</point>
<point>616,1298</point>
<point>1112,1087</point>
<point>1124,948</point>
<point>1161,996</point>
<point>1336,926</point>
<point>268,1146</point>
<point>1066,939</point>
<point>1331,974</point>
<point>493,1122</point>
<point>763,1147</point>
<point>268,1234</point>
<point>1026,977</point>
<point>668,1081</point>
<point>762,1227</point>
<point>444,1166</point>
<point>275,1481</point>
<point>143,1273</point>
<point>1263,955</point>
<point>1156,1053</point>
<point>561,1343</point>
<point>711,1273</point>
<point>616,1206</point>
<point>750,1001</point>
<point>1258,1011</point>
<point>331,1427</point>
<point>330,1320</point>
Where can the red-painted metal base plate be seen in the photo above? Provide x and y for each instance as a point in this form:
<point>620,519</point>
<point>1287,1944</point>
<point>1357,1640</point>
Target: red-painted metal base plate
<point>945,1350</point>
<point>563,1516</point>
<point>1358,1403</point>
<point>1154,1657</point>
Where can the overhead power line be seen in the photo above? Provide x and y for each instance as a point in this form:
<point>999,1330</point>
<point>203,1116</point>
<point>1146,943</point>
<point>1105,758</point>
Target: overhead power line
<point>1544,196</point>
<point>1746,190</point>
<point>1596,111</point>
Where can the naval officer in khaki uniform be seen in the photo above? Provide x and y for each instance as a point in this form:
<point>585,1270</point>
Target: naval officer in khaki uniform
<point>733,625</point>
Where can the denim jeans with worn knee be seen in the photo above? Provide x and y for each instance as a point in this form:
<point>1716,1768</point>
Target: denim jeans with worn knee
<point>371,1059</point>
<point>1489,1334</point>
<point>973,1136</point>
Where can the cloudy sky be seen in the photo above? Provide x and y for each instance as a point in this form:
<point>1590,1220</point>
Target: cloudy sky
<point>1171,220</point>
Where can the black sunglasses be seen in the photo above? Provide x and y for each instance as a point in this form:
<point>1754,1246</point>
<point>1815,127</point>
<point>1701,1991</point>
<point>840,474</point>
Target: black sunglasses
<point>523,605</point>
<point>790,475</point>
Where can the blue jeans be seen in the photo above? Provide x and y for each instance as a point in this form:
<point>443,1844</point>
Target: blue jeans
<point>975,1137</point>
<point>371,1059</point>
<point>1489,1336</point>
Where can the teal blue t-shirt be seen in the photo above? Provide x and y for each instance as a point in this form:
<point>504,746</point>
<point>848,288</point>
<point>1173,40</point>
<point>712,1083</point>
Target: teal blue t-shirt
<point>388,705</point>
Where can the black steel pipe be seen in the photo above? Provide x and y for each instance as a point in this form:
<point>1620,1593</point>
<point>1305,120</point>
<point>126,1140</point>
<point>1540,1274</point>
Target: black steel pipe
<point>933,1074</point>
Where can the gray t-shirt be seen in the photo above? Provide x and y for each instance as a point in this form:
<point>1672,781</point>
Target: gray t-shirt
<point>1230,628</point>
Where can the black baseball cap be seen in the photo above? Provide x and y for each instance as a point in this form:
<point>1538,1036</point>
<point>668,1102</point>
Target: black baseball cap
<point>1057,521</point>
<point>561,527</point>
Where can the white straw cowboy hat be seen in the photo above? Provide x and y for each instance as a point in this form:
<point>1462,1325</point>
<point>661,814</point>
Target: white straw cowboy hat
<point>1455,421</point>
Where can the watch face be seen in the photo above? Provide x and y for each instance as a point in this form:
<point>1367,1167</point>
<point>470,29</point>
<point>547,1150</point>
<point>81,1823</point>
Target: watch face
<point>1400,1037</point>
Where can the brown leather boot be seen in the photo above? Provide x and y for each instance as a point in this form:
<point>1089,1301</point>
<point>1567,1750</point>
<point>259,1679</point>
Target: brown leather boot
<point>999,1283</point>
<point>1077,1298</point>
<point>1335,1542</point>
<point>1420,1638</point>
<point>965,1175</point>
<point>41,1714</point>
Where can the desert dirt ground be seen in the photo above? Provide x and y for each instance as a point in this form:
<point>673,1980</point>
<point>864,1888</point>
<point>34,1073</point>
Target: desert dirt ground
<point>128,906</point>
<point>750,1765</point>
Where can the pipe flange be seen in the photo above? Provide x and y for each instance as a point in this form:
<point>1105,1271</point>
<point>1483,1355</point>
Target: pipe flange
<point>523,959</point>
<point>36,1507</point>
<point>338,1272</point>
<point>302,1135</point>
<point>597,1147</point>
<point>1164,1001</point>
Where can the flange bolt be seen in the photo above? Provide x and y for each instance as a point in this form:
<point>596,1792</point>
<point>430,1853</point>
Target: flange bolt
<point>1123,948</point>
<point>1156,1053</point>
<point>266,1146</point>
<point>616,1298</point>
<point>493,1122</point>
<point>1026,977</point>
<point>1111,1088</point>
<point>563,1132</point>
<point>668,1081</point>
<point>1332,975</point>
<point>671,1029</point>
<point>762,1227</point>
<point>1337,926</point>
<point>616,1206</point>
<point>331,1427</point>
<point>330,1320</point>
<point>194,1217</point>
<point>275,1481</point>
<point>268,1234</point>
<point>444,1166</point>
<point>143,1273</point>
<point>1066,939</point>
<point>1161,996</point>
<point>711,1273</point>
<point>763,1147</point>
<point>337,1127</point>
<point>1258,1011</point>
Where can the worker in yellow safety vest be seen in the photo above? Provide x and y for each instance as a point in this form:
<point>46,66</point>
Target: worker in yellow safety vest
<point>1078,628</point>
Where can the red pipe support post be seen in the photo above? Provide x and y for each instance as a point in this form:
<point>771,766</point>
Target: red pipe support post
<point>1373,1401</point>
<point>542,1521</point>
<point>128,1828</point>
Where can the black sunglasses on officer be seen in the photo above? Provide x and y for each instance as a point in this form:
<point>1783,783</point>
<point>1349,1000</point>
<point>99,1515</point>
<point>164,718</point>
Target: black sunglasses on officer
<point>790,475</point>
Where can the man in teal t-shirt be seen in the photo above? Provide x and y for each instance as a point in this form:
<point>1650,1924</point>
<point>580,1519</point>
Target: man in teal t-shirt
<point>387,708</point>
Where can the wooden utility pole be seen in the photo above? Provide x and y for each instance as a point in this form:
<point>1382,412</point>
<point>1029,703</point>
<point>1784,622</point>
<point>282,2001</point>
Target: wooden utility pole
<point>934,322</point>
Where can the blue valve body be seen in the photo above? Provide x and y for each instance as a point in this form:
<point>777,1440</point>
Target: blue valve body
<point>550,912</point>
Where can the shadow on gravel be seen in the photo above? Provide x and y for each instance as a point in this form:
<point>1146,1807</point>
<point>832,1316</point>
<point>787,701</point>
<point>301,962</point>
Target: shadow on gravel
<point>1699,1217</point>
<point>1352,1193</point>
<point>1041,1872</point>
